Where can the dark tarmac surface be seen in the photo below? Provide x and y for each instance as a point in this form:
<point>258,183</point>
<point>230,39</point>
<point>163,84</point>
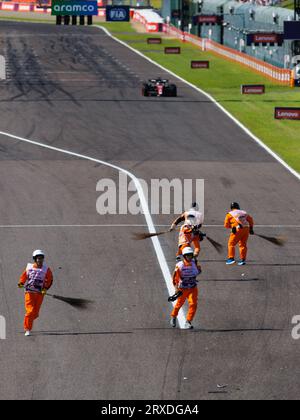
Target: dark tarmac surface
<point>79,90</point>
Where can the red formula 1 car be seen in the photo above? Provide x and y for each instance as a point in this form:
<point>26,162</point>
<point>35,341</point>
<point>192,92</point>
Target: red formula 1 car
<point>159,87</point>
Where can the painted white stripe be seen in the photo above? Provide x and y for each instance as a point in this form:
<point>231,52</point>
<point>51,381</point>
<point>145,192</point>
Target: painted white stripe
<point>67,226</point>
<point>245,129</point>
<point>144,205</point>
<point>2,68</point>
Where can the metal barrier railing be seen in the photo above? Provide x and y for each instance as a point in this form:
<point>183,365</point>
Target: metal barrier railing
<point>273,72</point>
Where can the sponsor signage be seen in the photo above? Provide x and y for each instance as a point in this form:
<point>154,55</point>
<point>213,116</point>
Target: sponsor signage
<point>153,27</point>
<point>199,64</point>
<point>287,113</point>
<point>117,13</point>
<point>7,6</point>
<point>291,29</point>
<point>209,19</point>
<point>264,38</point>
<point>74,8</point>
<point>253,89</point>
<point>154,41</point>
<point>172,50</point>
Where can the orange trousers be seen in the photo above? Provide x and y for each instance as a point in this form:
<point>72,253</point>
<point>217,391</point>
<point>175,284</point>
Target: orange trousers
<point>241,238</point>
<point>195,244</point>
<point>33,303</point>
<point>192,296</point>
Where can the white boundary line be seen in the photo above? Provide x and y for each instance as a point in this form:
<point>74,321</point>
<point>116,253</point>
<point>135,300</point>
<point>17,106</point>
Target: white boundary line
<point>2,68</point>
<point>144,205</point>
<point>245,129</point>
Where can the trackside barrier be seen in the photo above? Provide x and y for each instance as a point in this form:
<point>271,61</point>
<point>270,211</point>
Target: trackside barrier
<point>177,33</point>
<point>273,72</point>
<point>151,20</point>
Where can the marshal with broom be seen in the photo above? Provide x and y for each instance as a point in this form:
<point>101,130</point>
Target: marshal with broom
<point>37,279</point>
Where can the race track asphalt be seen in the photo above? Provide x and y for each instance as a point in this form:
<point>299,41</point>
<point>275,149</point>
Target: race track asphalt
<point>79,90</point>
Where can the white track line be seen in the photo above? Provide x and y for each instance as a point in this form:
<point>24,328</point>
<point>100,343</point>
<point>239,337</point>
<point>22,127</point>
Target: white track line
<point>2,68</point>
<point>144,205</point>
<point>245,129</point>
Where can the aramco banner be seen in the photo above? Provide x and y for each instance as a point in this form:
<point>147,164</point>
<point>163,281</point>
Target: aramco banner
<point>74,8</point>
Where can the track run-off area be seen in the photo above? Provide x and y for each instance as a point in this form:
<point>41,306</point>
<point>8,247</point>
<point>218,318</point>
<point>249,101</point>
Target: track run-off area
<point>72,114</point>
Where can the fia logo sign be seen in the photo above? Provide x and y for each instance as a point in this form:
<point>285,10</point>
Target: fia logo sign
<point>118,14</point>
<point>2,328</point>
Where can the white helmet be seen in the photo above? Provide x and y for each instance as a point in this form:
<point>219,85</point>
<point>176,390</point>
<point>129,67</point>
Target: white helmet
<point>37,253</point>
<point>187,251</point>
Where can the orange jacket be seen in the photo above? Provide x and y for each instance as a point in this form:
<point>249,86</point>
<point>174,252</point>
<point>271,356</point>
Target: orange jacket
<point>48,279</point>
<point>231,222</point>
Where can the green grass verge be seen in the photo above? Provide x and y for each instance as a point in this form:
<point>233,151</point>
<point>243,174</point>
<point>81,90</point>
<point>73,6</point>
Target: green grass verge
<point>223,81</point>
<point>287,4</point>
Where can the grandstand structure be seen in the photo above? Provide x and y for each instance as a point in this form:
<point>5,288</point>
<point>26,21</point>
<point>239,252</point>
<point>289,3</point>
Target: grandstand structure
<point>262,2</point>
<point>234,22</point>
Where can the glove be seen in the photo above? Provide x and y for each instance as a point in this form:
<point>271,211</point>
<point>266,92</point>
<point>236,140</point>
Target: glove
<point>175,296</point>
<point>251,231</point>
<point>20,285</point>
<point>196,229</point>
<point>44,291</point>
<point>201,236</point>
<point>233,230</point>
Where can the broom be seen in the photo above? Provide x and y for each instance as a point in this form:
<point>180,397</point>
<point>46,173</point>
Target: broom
<point>141,236</point>
<point>218,247</point>
<point>274,240</point>
<point>75,302</point>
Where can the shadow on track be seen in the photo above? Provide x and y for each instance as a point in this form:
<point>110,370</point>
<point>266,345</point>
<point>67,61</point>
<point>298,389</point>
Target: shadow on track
<point>277,264</point>
<point>66,333</point>
<point>211,331</point>
<point>240,280</point>
<point>233,330</point>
